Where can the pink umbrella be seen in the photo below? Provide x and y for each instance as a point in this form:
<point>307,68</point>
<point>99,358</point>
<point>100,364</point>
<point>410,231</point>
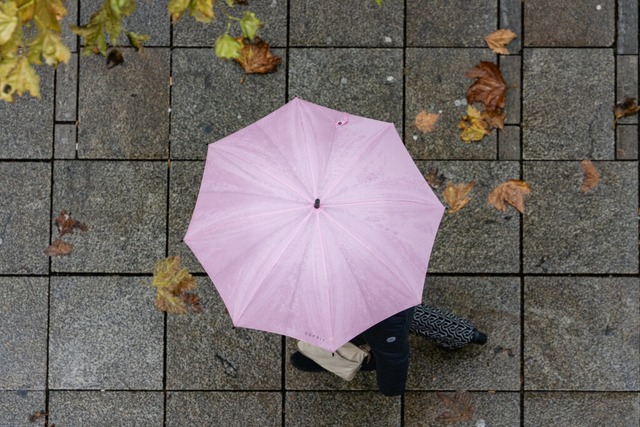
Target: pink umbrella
<point>314,224</point>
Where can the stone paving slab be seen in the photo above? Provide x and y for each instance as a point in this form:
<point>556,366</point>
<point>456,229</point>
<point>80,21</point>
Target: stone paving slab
<point>582,333</point>
<point>627,42</point>
<point>189,33</point>
<point>202,84</point>
<point>509,147</point>
<point>24,217</point>
<point>185,185</point>
<point>27,123</point>
<point>150,18</point>
<point>341,409</point>
<point>581,409</point>
<point>106,409</point>
<point>124,206</point>
<point>23,350</point>
<point>17,406</point>
<point>237,409</point>
<point>67,90</point>
<point>569,23</point>
<point>205,352</point>
<point>124,111</point>
<point>492,304</point>
<point>477,238</point>
<point>594,232</point>
<point>494,409</point>
<point>511,18</point>
<point>104,333</point>
<point>450,23</point>
<point>339,23</point>
<point>364,82</point>
<point>627,82</point>
<point>435,82</point>
<point>627,142</point>
<point>553,81</point>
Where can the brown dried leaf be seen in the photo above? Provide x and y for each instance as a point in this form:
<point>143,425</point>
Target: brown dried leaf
<point>624,109</point>
<point>591,176</point>
<point>511,193</point>
<point>193,301</point>
<point>459,407</point>
<point>489,88</point>
<point>499,39</point>
<point>256,56</point>
<point>494,119</point>
<point>66,224</point>
<point>59,248</point>
<point>435,180</point>
<point>426,122</point>
<point>456,195</point>
<point>37,416</point>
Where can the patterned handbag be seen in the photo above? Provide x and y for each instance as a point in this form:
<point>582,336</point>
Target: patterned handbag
<point>444,328</point>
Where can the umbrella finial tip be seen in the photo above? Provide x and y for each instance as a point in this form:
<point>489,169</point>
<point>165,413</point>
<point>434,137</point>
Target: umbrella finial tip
<point>316,204</point>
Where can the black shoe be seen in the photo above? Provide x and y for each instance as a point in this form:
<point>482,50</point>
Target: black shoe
<point>478,338</point>
<point>302,362</point>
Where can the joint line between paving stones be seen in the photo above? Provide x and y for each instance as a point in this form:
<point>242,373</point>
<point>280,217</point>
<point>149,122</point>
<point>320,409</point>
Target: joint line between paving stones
<point>521,219</point>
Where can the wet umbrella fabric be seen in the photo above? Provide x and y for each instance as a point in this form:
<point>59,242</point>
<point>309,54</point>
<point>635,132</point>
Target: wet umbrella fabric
<point>314,224</point>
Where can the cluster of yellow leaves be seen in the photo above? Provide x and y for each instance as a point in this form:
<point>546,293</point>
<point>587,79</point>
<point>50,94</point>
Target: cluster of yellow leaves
<point>200,10</point>
<point>19,52</point>
<point>173,283</point>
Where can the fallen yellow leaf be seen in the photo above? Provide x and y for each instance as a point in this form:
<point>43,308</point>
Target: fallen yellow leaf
<point>456,195</point>
<point>473,126</point>
<point>498,40</point>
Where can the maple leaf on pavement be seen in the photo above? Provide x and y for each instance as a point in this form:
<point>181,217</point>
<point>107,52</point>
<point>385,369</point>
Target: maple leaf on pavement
<point>172,282</point>
<point>590,178</point>
<point>512,193</point>
<point>489,88</point>
<point>456,195</point>
<point>459,407</point>
<point>256,57</point>
<point>59,248</point>
<point>624,109</point>
<point>473,125</point>
<point>426,122</point>
<point>66,224</point>
<point>498,40</point>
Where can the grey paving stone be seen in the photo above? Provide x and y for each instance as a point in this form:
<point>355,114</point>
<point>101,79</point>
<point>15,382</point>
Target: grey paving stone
<point>511,18</point>
<point>492,304</point>
<point>435,82</point>
<point>569,23</point>
<point>477,238</point>
<point>581,409</point>
<point>450,23</point>
<point>185,184</point>
<point>510,66</point>
<point>17,406</point>
<point>205,352</point>
<point>189,32</point>
<point>27,123</point>
<point>124,111</point>
<point>233,409</point>
<point>594,232</point>
<point>627,27</point>
<point>509,143</point>
<point>65,141</point>
<point>551,128</point>
<point>627,82</point>
<point>67,90</point>
<point>212,99</point>
<point>104,333</point>
<point>123,204</point>
<point>23,333</point>
<point>338,23</point>
<point>495,409</point>
<point>299,380</point>
<point>68,37</point>
<point>24,217</point>
<point>341,409</point>
<point>582,333</point>
<point>150,18</point>
<point>364,82</point>
<point>627,142</point>
<point>107,409</point>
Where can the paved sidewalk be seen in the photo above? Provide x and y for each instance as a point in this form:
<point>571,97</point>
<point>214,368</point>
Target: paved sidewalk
<point>557,289</point>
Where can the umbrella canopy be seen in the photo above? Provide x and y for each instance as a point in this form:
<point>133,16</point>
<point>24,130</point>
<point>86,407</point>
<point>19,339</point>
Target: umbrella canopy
<point>314,224</point>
